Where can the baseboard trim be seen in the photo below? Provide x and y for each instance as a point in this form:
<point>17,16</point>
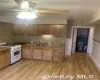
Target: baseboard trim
<point>95,62</point>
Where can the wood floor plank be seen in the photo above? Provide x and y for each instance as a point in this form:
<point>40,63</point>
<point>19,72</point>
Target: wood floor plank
<point>77,64</point>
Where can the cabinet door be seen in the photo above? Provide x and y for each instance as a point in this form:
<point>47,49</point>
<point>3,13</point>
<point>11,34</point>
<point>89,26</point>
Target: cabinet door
<point>1,60</point>
<point>31,29</point>
<point>47,54</point>
<point>43,29</point>
<point>37,53</point>
<point>26,52</point>
<point>4,58</point>
<point>18,29</point>
<point>57,54</point>
<point>57,30</point>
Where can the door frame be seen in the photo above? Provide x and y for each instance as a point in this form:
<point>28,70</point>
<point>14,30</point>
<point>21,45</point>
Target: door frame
<point>90,39</point>
<point>74,39</point>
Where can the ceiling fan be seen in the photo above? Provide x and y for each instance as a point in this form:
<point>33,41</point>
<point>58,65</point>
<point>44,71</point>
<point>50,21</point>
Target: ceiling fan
<point>24,10</point>
<point>27,7</point>
<point>27,10</point>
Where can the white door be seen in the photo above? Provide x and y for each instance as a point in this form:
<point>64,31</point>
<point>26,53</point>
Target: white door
<point>74,40</point>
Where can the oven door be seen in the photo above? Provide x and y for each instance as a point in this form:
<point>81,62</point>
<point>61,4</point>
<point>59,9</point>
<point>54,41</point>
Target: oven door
<point>15,55</point>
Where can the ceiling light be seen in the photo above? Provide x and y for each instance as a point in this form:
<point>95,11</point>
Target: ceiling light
<point>47,36</point>
<point>25,5</point>
<point>27,15</point>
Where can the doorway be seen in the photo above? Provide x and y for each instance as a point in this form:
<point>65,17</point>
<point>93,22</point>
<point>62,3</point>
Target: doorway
<point>90,32</point>
<point>82,39</point>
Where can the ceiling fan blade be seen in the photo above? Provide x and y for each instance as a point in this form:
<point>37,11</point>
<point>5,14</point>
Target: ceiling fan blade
<point>18,1</point>
<point>9,15</point>
<point>9,12</point>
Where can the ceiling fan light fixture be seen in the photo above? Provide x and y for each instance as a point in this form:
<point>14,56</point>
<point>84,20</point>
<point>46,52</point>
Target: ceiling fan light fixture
<point>27,15</point>
<point>36,11</point>
<point>24,5</point>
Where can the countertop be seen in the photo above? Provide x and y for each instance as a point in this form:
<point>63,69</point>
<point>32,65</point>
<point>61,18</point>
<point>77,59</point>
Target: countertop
<point>43,46</point>
<point>4,48</point>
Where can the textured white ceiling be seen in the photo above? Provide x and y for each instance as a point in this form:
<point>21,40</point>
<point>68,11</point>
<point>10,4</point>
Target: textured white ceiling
<point>78,9</point>
<point>7,4</point>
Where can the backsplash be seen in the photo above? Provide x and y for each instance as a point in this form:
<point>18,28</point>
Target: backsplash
<point>59,41</point>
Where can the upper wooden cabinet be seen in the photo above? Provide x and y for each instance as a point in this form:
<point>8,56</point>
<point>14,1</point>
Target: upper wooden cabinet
<point>19,29</point>
<point>29,29</point>
<point>43,29</point>
<point>40,29</point>
<point>57,30</point>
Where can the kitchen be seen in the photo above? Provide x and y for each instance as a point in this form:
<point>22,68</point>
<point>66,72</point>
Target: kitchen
<point>42,47</point>
<point>45,43</point>
<point>40,44</point>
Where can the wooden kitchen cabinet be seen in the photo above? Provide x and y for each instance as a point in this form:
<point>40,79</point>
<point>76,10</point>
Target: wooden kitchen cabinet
<point>1,60</point>
<point>58,54</point>
<point>22,29</point>
<point>26,52</point>
<point>39,29</point>
<point>43,29</point>
<point>4,58</point>
<point>37,53</point>
<point>57,30</point>
<point>42,53</point>
<point>47,54</point>
<point>19,29</point>
<point>31,29</point>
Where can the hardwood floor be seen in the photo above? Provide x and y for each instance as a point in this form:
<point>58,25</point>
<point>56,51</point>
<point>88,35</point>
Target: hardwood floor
<point>78,64</point>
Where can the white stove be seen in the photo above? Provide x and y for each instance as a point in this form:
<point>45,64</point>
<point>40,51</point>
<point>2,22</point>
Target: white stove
<point>15,52</point>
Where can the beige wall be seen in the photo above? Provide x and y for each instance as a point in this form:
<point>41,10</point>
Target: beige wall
<point>96,47</point>
<point>96,54</point>
<point>95,17</point>
<point>97,33</point>
<point>6,32</point>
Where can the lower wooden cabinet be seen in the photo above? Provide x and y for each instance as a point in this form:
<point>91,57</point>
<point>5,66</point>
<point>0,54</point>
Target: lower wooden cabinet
<point>58,54</point>
<point>26,52</point>
<point>37,54</point>
<point>43,53</point>
<point>4,58</point>
<point>47,54</point>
